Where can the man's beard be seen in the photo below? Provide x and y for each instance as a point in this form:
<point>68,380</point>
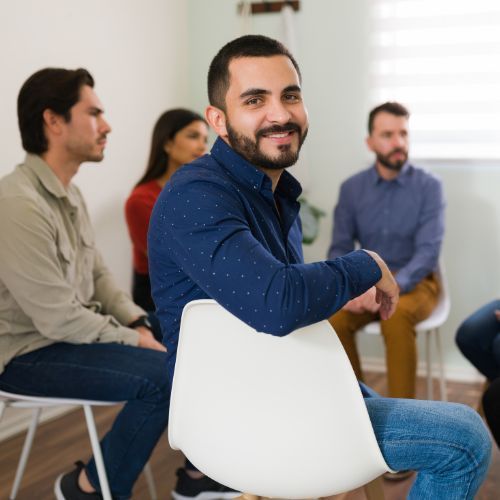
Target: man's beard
<point>393,165</point>
<point>250,149</point>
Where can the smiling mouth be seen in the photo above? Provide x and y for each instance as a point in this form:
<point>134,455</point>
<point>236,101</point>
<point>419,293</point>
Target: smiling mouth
<point>279,135</point>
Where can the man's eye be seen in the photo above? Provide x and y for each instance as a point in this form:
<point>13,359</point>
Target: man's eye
<point>291,97</point>
<point>253,101</point>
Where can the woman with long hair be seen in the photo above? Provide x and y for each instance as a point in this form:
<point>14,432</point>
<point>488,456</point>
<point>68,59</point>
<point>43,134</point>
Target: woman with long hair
<point>179,137</point>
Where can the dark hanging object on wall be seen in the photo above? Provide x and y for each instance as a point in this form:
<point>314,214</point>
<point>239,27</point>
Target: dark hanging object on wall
<point>265,7</point>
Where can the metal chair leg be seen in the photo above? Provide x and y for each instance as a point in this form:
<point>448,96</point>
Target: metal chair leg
<point>442,378</point>
<point>374,489</point>
<point>428,360</point>
<point>148,474</point>
<point>96,449</point>
<point>23,459</point>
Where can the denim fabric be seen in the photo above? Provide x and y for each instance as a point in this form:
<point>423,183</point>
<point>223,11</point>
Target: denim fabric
<point>107,372</point>
<point>446,443</point>
<point>478,337</point>
<point>491,407</point>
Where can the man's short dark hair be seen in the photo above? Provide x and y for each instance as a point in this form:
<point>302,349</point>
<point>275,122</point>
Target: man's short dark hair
<point>394,108</point>
<point>245,46</point>
<point>56,89</point>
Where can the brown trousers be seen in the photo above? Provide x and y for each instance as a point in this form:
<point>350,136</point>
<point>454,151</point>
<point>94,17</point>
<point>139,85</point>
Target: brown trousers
<point>398,332</point>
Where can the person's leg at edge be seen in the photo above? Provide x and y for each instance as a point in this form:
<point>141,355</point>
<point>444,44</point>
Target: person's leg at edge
<point>346,324</point>
<point>491,406</point>
<point>446,443</point>
<point>107,372</point>
<point>400,338</point>
<point>478,337</point>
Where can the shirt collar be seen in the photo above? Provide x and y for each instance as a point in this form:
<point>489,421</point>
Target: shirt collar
<point>401,179</point>
<point>247,174</point>
<point>49,180</point>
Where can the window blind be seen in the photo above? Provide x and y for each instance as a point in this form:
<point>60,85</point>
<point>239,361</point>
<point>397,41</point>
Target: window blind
<point>441,58</point>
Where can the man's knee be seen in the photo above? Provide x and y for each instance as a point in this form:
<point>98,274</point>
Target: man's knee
<point>466,336</point>
<point>152,374</point>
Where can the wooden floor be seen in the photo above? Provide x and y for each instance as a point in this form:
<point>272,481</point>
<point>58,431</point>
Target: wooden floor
<point>64,440</point>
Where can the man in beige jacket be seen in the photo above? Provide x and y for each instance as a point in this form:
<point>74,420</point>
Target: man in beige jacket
<point>66,329</point>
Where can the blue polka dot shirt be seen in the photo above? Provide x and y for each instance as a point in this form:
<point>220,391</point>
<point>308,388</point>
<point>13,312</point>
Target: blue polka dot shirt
<point>216,232</point>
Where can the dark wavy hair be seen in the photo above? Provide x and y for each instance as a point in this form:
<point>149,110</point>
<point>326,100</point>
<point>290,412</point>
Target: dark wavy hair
<point>56,89</point>
<point>244,46</point>
<point>165,129</point>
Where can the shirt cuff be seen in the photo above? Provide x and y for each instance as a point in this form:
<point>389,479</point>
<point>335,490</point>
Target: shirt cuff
<point>363,271</point>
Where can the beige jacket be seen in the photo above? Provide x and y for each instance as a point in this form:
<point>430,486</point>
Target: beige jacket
<point>54,285</point>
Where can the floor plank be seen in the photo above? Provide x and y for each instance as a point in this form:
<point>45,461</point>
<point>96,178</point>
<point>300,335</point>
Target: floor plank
<point>62,441</point>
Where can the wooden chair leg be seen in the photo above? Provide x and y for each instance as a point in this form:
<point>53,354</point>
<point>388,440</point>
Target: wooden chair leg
<point>374,489</point>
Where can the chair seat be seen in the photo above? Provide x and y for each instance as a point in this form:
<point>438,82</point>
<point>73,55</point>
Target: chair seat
<point>26,401</point>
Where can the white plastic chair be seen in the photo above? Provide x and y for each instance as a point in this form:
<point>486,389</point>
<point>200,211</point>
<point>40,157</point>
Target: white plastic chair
<point>36,403</point>
<point>430,327</point>
<point>274,417</point>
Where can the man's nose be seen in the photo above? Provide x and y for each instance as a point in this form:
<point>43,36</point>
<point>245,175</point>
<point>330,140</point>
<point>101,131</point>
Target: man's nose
<point>104,127</point>
<point>278,112</point>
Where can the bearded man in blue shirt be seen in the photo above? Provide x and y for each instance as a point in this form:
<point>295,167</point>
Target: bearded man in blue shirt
<point>226,227</point>
<point>397,210</point>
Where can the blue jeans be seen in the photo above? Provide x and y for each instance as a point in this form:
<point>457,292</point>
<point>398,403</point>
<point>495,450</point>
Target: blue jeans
<point>446,443</point>
<point>478,337</point>
<point>107,372</point>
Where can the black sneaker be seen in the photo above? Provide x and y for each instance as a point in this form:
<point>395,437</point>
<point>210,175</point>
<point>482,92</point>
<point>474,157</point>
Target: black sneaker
<point>204,488</point>
<point>66,487</point>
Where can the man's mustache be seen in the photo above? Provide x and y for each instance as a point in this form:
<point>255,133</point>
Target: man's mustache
<point>397,150</point>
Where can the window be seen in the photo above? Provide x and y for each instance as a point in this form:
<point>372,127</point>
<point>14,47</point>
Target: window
<point>441,58</point>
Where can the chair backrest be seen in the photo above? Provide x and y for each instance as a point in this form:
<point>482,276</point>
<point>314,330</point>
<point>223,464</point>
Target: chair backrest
<point>273,416</point>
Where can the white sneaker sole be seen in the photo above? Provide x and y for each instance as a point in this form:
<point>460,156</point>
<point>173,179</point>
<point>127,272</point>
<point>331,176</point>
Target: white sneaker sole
<point>57,488</point>
<point>206,495</point>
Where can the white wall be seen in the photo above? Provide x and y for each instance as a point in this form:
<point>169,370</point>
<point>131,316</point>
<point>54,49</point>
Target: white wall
<point>334,56</point>
<point>137,53</point>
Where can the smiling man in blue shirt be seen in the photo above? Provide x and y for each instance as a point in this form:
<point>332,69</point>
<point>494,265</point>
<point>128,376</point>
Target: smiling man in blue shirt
<point>397,210</point>
<point>226,227</point>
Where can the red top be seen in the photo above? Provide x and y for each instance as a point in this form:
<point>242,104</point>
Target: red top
<point>138,208</point>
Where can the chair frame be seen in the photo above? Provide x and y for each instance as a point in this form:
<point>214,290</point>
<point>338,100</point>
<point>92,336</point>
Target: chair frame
<point>35,403</point>
<point>430,327</point>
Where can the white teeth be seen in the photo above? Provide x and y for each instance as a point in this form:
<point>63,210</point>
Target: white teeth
<point>278,136</point>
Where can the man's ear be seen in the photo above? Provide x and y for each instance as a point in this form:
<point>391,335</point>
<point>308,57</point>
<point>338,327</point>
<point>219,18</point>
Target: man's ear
<point>369,142</point>
<point>52,121</point>
<point>217,120</point>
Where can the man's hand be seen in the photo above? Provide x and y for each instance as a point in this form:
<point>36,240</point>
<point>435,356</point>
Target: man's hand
<point>366,302</point>
<point>497,314</point>
<point>387,289</point>
<point>147,341</point>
